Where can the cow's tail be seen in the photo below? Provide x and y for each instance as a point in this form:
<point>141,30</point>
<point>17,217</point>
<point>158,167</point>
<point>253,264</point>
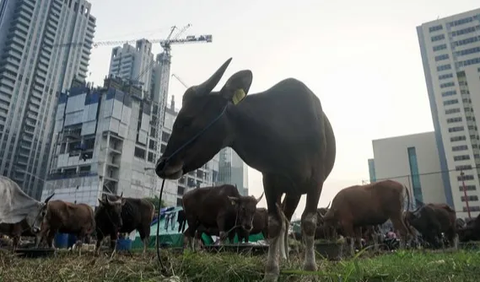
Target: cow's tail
<point>404,219</point>
<point>407,192</point>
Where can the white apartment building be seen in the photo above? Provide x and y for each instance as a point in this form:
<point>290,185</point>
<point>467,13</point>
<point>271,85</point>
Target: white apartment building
<point>232,170</point>
<point>104,143</point>
<point>413,161</point>
<point>133,63</point>
<point>450,49</point>
<point>44,45</point>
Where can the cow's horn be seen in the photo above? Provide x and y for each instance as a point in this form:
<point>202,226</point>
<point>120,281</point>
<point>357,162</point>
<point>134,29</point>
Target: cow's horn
<point>329,203</point>
<point>48,198</point>
<point>261,196</point>
<point>121,195</point>
<point>207,86</point>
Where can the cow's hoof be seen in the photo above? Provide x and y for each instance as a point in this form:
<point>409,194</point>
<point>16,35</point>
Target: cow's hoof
<point>272,272</point>
<point>270,277</point>
<point>310,266</point>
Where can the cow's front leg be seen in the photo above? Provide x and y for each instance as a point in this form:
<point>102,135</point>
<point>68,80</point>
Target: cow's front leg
<point>99,242</point>
<point>221,223</point>
<point>113,242</point>
<point>50,237</point>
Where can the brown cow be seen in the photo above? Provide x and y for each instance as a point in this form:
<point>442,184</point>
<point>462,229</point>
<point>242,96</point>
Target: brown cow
<point>260,225</point>
<point>69,218</point>
<point>371,204</point>
<point>433,219</point>
<point>282,132</point>
<point>219,207</point>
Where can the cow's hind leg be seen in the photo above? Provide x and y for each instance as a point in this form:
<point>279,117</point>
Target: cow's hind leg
<point>272,268</point>
<point>291,203</point>
<point>401,229</point>
<point>309,225</point>
<point>145,237</point>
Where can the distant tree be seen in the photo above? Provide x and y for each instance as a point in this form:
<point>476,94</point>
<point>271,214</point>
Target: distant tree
<point>154,201</point>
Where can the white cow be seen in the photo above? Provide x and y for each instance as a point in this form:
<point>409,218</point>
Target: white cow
<point>18,211</point>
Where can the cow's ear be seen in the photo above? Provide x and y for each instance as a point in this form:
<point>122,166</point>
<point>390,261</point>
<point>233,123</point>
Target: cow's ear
<point>237,86</point>
<point>233,200</point>
<point>102,203</point>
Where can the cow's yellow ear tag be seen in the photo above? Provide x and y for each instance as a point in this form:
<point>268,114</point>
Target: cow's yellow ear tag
<point>238,96</point>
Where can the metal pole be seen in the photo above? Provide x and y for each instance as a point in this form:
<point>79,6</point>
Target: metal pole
<point>465,194</point>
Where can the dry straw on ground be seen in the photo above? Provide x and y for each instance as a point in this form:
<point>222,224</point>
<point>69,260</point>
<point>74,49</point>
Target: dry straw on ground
<point>398,266</point>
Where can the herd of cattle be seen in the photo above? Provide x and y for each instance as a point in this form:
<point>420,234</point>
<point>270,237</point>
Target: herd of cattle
<point>356,212</point>
<point>20,215</point>
<point>284,133</point>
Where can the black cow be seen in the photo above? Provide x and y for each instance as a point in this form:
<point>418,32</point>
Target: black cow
<point>471,231</point>
<point>433,219</point>
<point>123,215</point>
<point>260,225</point>
<point>220,207</point>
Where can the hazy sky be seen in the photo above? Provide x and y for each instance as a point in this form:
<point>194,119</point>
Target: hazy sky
<point>361,58</point>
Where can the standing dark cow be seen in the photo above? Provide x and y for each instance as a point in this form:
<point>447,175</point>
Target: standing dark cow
<point>260,225</point>
<point>471,231</point>
<point>69,218</point>
<point>220,207</point>
<point>372,204</point>
<point>282,132</point>
<point>123,215</point>
<point>433,219</point>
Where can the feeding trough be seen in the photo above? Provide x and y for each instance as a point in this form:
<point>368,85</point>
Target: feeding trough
<point>34,253</point>
<point>331,250</point>
<point>253,249</point>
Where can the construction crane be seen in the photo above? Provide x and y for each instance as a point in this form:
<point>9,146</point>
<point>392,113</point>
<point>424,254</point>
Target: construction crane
<point>165,62</point>
<point>180,80</point>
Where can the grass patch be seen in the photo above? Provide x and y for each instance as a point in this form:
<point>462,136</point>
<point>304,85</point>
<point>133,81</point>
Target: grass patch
<point>400,266</point>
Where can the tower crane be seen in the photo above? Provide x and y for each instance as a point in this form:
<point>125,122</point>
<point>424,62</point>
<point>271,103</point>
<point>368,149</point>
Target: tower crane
<point>165,62</point>
<point>180,80</point>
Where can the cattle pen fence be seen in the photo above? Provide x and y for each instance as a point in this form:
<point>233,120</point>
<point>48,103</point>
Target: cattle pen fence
<point>459,188</point>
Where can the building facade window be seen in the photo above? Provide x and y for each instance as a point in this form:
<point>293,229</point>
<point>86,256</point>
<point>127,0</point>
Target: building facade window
<point>448,84</point>
<point>456,129</point>
<point>445,76</point>
<point>450,102</point>
<point>438,37</point>
<point>444,67</point>
<point>458,138</point>
<point>415,176</point>
<point>459,148</point>
<point>455,119</point>
<point>371,170</point>
<point>435,28</point>
<point>449,93</point>
<point>465,178</point>
<point>467,187</point>
<point>452,111</point>
<point>461,158</point>
<point>472,198</point>
<point>440,47</point>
